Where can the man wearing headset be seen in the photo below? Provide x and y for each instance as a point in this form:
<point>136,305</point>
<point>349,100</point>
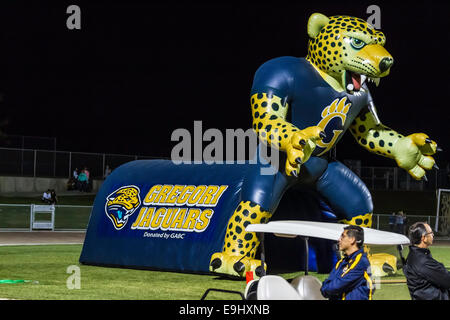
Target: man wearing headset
<point>351,278</point>
<point>427,279</point>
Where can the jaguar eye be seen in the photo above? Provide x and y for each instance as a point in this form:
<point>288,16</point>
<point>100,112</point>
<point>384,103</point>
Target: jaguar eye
<point>357,44</point>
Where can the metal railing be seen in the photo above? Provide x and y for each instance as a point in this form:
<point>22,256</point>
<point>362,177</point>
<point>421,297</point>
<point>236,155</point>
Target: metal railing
<point>381,222</point>
<point>60,164</point>
<point>74,217</point>
<point>394,178</point>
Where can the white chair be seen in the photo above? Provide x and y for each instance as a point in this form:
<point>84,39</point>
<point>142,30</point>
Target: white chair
<point>276,288</point>
<point>307,287</point>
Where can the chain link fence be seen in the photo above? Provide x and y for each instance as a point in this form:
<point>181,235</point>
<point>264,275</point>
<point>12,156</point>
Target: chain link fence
<point>394,178</point>
<point>59,164</point>
<point>381,222</point>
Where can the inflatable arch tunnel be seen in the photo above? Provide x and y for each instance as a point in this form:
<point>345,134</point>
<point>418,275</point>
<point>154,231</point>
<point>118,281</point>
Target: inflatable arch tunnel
<point>154,214</point>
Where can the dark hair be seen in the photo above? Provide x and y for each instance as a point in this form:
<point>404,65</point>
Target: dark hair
<point>356,232</point>
<point>416,232</point>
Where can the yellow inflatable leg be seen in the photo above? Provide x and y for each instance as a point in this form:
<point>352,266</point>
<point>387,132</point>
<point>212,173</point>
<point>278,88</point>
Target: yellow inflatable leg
<point>237,256</point>
<point>361,220</point>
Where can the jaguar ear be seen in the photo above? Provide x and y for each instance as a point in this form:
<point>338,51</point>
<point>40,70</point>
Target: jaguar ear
<point>315,23</point>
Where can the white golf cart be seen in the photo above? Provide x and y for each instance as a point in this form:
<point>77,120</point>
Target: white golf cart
<point>306,287</point>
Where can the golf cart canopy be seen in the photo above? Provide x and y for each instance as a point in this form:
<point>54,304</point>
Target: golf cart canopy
<point>325,230</point>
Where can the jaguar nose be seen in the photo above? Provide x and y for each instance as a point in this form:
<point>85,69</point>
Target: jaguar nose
<point>385,64</point>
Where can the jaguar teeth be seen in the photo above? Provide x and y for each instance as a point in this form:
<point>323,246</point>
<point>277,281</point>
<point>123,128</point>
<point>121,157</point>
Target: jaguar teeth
<point>363,78</point>
<point>375,80</point>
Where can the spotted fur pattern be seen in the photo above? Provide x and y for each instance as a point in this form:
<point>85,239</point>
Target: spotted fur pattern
<point>375,138</point>
<point>269,114</point>
<point>331,51</point>
<point>364,220</point>
<point>237,240</point>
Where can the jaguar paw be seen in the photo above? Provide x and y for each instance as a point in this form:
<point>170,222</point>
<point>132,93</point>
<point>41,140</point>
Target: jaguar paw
<point>235,266</point>
<point>382,264</point>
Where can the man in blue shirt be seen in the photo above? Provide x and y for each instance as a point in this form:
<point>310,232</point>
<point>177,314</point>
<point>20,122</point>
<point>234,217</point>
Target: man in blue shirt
<point>351,278</point>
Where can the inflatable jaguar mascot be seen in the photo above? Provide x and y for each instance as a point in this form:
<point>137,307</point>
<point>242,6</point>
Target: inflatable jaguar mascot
<point>303,106</point>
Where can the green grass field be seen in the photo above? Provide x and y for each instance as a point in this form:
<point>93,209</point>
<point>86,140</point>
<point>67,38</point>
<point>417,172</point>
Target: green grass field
<point>47,266</point>
<point>66,217</point>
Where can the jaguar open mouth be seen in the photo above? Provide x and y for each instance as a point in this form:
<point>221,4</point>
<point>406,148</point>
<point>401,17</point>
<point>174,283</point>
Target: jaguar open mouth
<point>117,211</point>
<point>354,81</point>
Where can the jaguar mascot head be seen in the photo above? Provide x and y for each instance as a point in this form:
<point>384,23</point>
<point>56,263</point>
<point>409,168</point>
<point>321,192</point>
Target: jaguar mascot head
<point>121,204</point>
<point>348,50</point>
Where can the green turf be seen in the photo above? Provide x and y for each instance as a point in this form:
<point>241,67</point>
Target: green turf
<point>66,217</point>
<point>48,266</point>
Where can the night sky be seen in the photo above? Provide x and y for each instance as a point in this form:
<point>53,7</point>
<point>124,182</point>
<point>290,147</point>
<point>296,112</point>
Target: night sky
<point>136,71</point>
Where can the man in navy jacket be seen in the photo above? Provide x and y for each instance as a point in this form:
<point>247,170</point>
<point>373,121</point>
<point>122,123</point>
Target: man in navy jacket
<point>351,278</point>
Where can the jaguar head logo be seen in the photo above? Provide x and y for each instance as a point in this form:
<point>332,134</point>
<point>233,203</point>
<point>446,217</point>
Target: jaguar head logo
<point>348,49</point>
<point>121,204</point>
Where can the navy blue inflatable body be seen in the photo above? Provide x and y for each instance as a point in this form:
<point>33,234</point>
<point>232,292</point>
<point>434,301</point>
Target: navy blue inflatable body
<point>157,215</point>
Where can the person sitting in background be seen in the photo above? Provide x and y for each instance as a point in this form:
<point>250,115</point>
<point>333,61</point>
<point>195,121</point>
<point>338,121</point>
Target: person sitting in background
<point>82,181</point>
<point>75,173</point>
<point>46,196</point>
<point>72,184</point>
<point>88,187</point>
<point>86,172</point>
<point>53,197</point>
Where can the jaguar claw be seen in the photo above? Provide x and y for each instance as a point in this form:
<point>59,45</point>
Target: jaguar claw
<point>239,267</point>
<point>216,263</point>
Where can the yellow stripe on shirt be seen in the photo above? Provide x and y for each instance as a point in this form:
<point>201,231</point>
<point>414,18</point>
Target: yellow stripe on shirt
<point>338,263</point>
<point>369,283</point>
<point>358,257</point>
